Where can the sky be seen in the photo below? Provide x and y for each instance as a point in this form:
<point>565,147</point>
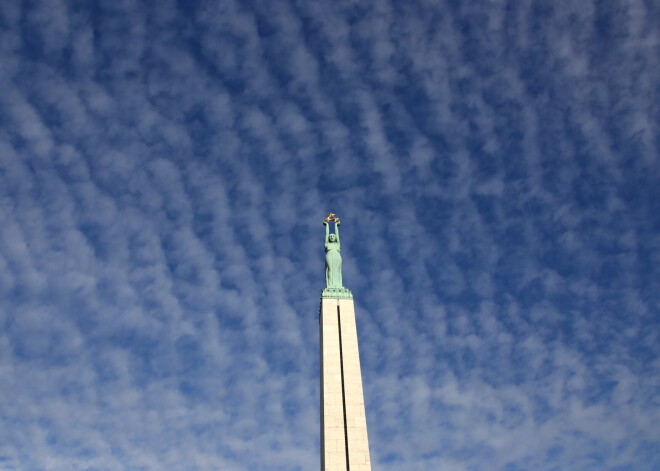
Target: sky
<point>165,167</point>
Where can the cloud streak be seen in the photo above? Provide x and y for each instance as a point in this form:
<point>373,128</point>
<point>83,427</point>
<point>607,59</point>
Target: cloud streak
<point>163,173</point>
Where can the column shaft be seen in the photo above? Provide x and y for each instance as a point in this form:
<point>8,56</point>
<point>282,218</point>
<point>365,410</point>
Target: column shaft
<point>344,440</point>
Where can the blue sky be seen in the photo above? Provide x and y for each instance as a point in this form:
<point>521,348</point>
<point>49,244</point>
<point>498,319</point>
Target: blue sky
<point>164,169</point>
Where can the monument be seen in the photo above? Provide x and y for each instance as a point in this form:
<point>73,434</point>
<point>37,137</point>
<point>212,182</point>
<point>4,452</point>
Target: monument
<point>344,440</point>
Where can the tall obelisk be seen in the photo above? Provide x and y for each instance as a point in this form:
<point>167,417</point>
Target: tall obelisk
<point>344,440</point>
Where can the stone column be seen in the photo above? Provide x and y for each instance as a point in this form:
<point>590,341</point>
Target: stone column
<point>344,440</point>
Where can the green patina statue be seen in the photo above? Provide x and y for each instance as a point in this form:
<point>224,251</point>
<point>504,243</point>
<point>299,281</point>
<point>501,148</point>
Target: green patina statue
<point>332,256</point>
<point>333,280</point>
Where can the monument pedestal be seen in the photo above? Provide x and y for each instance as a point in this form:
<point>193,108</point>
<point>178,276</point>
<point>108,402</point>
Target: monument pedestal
<point>344,440</point>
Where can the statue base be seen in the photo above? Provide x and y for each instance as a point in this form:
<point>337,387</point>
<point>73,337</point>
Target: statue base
<point>342,293</point>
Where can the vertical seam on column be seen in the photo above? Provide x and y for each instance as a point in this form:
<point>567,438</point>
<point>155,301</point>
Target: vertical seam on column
<point>343,389</point>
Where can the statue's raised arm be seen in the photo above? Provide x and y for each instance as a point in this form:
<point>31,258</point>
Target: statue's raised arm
<point>327,230</point>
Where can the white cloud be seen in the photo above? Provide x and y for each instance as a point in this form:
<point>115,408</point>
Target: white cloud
<point>163,172</point>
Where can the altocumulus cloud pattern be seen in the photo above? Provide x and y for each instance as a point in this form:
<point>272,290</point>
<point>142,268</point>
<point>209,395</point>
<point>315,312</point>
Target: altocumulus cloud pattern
<point>164,168</point>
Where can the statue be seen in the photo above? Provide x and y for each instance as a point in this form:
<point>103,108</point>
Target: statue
<point>334,287</point>
<point>332,254</point>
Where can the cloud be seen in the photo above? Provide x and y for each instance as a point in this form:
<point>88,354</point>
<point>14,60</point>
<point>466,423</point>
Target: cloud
<point>163,173</point>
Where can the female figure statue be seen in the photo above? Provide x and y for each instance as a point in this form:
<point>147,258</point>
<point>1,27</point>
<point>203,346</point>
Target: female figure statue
<point>332,256</point>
